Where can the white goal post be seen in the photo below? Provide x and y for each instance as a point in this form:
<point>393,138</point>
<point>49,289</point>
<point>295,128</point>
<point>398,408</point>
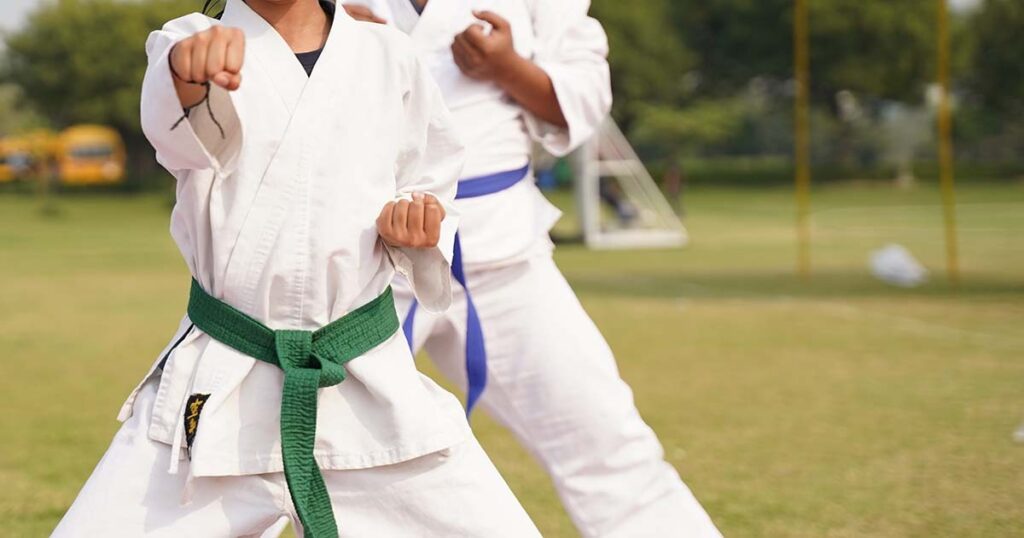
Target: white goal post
<point>643,217</point>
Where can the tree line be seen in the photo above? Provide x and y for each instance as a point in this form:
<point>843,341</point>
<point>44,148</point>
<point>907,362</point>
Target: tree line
<point>693,78</point>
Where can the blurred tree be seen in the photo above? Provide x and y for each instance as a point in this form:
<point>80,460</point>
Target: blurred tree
<point>649,60</point>
<point>82,61</point>
<point>697,126</point>
<point>881,49</point>
<point>699,77</point>
<point>15,119</point>
<point>736,41</point>
<point>990,115</point>
<point>652,74</point>
<point>997,74</point>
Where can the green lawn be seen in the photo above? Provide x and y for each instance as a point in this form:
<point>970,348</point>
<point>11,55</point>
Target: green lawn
<point>836,406</point>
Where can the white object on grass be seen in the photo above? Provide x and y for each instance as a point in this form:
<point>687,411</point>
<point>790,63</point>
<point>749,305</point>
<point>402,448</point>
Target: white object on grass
<point>895,265</point>
<point>1018,435</point>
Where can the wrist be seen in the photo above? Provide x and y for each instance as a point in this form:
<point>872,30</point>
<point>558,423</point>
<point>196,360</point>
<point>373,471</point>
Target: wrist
<point>509,70</point>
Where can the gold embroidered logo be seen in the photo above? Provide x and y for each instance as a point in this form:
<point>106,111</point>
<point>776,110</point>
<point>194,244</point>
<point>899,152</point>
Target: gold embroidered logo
<point>193,407</point>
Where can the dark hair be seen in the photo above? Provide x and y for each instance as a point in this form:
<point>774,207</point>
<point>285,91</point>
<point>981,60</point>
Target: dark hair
<point>209,5</point>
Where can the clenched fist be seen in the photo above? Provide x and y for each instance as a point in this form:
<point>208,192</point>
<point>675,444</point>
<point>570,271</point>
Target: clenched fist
<point>415,224</point>
<point>486,56</point>
<point>213,55</point>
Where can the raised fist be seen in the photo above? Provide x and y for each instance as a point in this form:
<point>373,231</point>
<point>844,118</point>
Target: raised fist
<point>486,55</point>
<point>213,55</point>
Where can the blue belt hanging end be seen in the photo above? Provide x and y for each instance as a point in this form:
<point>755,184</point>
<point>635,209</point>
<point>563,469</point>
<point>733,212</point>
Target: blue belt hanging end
<point>410,318</point>
<point>476,351</point>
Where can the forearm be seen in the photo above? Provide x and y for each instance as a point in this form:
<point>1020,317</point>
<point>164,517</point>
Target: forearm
<point>532,88</point>
<point>209,139</point>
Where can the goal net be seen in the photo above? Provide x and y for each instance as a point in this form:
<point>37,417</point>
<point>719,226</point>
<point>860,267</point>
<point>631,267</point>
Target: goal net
<point>619,204</point>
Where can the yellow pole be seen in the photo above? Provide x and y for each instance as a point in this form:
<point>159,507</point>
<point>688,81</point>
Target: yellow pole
<point>802,141</point>
<point>946,179</point>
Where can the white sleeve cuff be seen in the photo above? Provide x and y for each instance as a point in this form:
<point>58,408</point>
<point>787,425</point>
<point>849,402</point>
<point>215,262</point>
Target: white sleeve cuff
<point>428,270</point>
<point>584,113</point>
<point>558,141</point>
<point>197,143</point>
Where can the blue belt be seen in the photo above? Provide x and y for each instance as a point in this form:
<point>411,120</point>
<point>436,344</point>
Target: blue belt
<point>476,353</point>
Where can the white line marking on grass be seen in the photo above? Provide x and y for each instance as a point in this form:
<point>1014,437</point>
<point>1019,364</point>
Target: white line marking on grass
<point>888,208</point>
<point>904,323</point>
<point>921,327</point>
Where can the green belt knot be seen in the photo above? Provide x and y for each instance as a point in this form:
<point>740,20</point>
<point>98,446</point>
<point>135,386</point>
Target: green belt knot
<point>296,351</point>
<point>310,361</point>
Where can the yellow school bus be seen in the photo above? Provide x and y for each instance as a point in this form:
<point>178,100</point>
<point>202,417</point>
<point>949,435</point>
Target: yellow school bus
<point>90,155</point>
<point>15,159</point>
<point>6,169</point>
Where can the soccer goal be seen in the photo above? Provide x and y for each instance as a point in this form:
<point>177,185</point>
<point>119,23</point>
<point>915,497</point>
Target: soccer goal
<point>620,206</point>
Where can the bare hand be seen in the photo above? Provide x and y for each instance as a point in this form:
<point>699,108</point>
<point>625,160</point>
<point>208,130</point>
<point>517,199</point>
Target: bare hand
<point>415,224</point>
<point>362,13</point>
<point>486,56</point>
<point>213,55</point>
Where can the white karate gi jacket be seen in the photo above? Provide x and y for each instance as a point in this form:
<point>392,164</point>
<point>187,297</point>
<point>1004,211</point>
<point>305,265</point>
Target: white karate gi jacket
<point>278,220</point>
<point>560,37</point>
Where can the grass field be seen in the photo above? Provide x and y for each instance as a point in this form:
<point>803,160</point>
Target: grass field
<point>834,407</point>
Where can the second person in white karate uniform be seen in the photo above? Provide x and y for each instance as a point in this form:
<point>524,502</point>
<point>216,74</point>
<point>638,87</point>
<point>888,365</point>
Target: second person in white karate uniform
<point>515,73</point>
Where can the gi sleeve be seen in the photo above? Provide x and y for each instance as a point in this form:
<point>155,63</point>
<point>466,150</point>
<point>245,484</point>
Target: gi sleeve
<point>197,142</point>
<point>430,161</point>
<point>572,48</point>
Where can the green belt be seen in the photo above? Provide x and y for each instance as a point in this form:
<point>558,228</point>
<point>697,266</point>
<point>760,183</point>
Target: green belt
<point>310,360</point>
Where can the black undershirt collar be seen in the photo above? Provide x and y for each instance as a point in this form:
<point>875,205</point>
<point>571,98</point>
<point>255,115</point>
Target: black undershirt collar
<point>309,59</point>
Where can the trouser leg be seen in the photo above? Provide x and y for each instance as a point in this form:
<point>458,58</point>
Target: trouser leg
<point>552,379</point>
<point>130,493</point>
<point>454,492</point>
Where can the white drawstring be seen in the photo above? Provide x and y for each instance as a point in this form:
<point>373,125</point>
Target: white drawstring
<point>188,489</point>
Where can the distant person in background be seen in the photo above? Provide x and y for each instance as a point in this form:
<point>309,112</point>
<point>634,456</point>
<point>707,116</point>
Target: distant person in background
<point>611,193</point>
<point>675,184</point>
<point>515,72</point>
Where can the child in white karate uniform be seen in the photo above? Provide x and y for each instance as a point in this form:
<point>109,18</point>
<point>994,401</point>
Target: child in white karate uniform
<point>288,389</point>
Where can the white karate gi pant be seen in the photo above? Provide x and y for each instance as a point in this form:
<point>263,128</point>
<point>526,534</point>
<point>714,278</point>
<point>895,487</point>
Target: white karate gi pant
<point>552,380</point>
<point>455,492</point>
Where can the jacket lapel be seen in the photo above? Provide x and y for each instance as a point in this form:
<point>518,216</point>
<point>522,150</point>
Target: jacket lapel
<point>285,181</point>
